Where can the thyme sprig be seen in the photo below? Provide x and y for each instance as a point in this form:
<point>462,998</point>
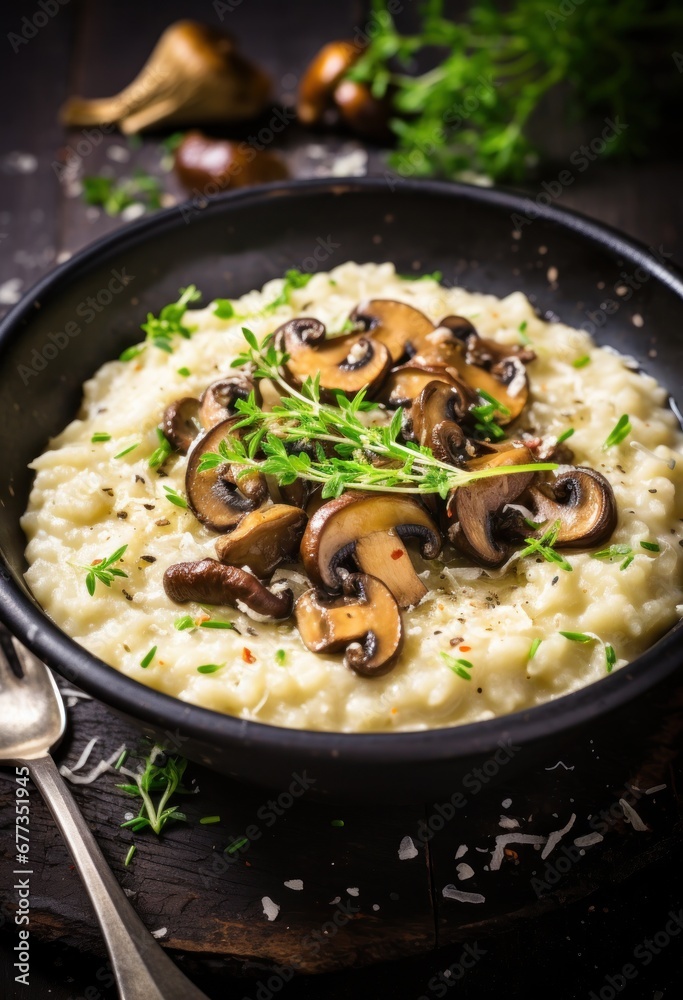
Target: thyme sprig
<point>544,546</point>
<point>302,416</point>
<point>165,777</point>
<point>103,570</point>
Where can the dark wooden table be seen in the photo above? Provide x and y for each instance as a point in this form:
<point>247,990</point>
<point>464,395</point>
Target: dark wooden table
<point>212,909</point>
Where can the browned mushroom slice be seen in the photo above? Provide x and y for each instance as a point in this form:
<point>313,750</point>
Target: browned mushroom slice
<point>202,163</point>
<point>320,79</point>
<point>437,414</point>
<point>263,538</point>
<point>347,363</point>
<point>405,382</point>
<point>361,110</point>
<point>400,327</point>
<point>220,497</point>
<point>472,510</point>
<point>210,582</point>
<point>582,501</point>
<point>218,399</point>
<point>365,622</point>
<point>181,423</point>
<point>369,531</point>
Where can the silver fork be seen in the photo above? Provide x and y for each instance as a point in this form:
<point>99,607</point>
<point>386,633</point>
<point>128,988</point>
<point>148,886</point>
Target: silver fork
<point>32,721</point>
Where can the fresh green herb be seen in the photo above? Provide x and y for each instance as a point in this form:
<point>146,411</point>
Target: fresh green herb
<point>565,435</point>
<point>280,657</point>
<point>207,820</point>
<point>127,451</point>
<point>100,436</point>
<point>483,77</point>
<point>129,857</point>
<point>543,546</point>
<point>187,621</point>
<point>161,329</point>
<point>621,430</point>
<point>578,636</point>
<point>209,668</point>
<point>171,142</point>
<point>165,778</point>
<point>523,336</point>
<point>650,546</point>
<point>236,846</point>
<point>484,416</point>
<point>122,760</point>
<point>184,372</point>
<point>174,497</point>
<point>616,552</point>
<point>533,649</point>
<point>434,276</point>
<point>458,666</point>
<point>224,309</point>
<point>610,657</point>
<point>103,570</point>
<point>582,361</point>
<point>302,416</point>
<point>131,352</point>
<point>534,525</point>
<point>293,279</point>
<point>148,657</point>
<point>215,623</point>
<point>160,454</point>
<point>337,822</point>
<point>115,195</point>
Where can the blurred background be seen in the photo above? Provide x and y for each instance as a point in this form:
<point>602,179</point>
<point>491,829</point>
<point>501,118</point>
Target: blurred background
<point>577,103</point>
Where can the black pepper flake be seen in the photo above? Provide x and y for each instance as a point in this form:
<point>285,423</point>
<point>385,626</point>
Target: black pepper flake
<point>129,597</point>
<point>456,641</point>
<point>161,474</point>
<point>162,522</point>
<point>554,581</point>
<point>251,631</point>
<point>148,506</point>
<point>480,690</point>
<point>138,479</point>
<point>122,514</point>
<point>437,632</point>
<point>108,490</point>
<point>149,559</point>
<point>652,491</point>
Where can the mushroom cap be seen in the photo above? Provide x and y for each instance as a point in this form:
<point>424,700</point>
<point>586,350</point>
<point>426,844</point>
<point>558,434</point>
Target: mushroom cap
<point>405,382</point>
<point>218,399</point>
<point>321,77</point>
<point>347,364</point>
<point>365,621</point>
<point>334,532</point>
<point>361,110</point>
<point>220,497</point>
<point>582,500</point>
<point>402,328</point>
<point>263,538</point>
<point>437,414</point>
<point>180,423</point>
<point>472,509</point>
<point>208,581</point>
<point>202,163</point>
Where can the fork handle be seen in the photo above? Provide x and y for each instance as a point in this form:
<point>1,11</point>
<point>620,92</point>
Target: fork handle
<point>143,971</point>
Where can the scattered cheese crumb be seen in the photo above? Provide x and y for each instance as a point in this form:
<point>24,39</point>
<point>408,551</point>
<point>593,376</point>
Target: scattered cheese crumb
<point>450,892</point>
<point>270,909</point>
<point>407,849</point>
<point>294,883</point>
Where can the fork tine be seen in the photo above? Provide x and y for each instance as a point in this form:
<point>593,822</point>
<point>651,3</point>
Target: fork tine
<point>32,668</point>
<point>8,675</point>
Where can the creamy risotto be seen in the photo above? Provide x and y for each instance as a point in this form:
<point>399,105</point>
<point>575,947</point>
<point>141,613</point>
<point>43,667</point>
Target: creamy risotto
<point>485,637</point>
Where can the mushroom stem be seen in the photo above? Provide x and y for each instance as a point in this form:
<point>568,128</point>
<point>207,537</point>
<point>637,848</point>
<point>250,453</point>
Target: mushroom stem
<point>383,554</point>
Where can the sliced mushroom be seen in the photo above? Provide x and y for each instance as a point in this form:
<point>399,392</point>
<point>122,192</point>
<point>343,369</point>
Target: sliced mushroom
<point>361,110</point>
<point>472,510</point>
<point>194,74</point>
<point>369,531</point>
<point>320,79</point>
<point>263,539</point>
<point>401,328</point>
<point>218,399</point>
<point>181,423</point>
<point>220,497</point>
<point>438,414</point>
<point>365,622</point>
<point>210,582</point>
<point>347,363</point>
<point>206,165</point>
<point>582,501</point>
<point>405,382</point>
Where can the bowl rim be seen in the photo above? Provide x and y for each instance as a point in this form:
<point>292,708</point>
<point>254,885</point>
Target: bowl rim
<point>133,698</point>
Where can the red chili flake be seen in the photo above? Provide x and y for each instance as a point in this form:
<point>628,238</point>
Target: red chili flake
<point>397,553</point>
<point>248,656</point>
<point>465,649</point>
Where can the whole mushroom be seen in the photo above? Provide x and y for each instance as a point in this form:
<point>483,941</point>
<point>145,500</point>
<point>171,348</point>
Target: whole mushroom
<point>208,581</point>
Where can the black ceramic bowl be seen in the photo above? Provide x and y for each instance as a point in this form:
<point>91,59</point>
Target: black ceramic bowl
<point>485,240</point>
